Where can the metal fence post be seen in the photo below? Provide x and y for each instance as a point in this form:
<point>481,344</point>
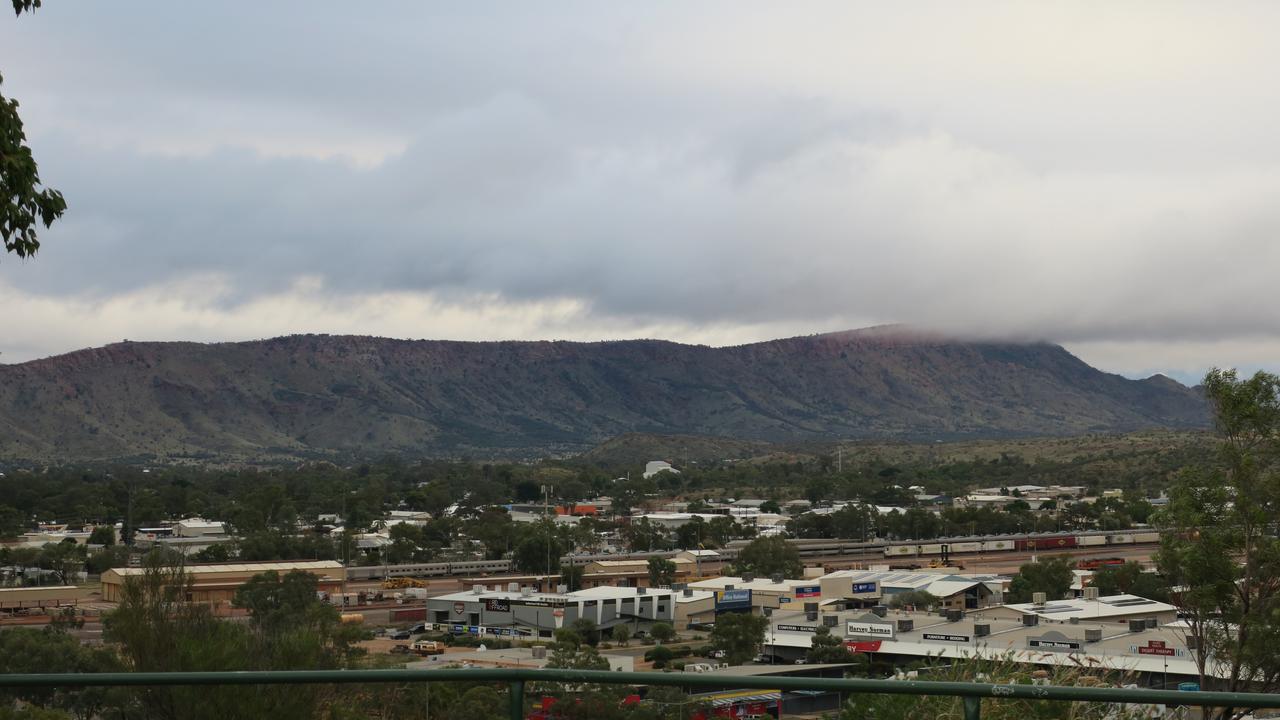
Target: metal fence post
<point>517,700</point>
<point>972,708</point>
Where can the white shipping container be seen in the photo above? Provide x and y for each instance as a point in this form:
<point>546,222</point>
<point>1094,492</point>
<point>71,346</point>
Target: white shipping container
<point>900,550</point>
<point>997,545</point>
<point>1146,537</point>
<point>966,547</point>
<point>1120,539</point>
<point>1089,540</point>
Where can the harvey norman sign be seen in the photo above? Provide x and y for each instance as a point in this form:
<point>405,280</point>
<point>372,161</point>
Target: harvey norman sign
<point>873,629</point>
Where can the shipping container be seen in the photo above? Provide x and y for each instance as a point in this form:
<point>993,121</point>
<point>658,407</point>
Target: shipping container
<point>997,545</point>
<point>1091,540</point>
<point>1146,537</point>
<point>408,614</point>
<point>900,550</point>
<point>1120,539</point>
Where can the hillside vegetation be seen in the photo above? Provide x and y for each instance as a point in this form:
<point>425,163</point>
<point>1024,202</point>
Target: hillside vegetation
<point>335,397</point>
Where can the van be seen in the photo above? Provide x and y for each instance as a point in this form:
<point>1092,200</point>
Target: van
<point>428,647</point>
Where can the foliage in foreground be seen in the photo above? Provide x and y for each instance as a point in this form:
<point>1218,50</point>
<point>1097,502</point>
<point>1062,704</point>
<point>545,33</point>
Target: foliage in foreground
<point>1000,671</point>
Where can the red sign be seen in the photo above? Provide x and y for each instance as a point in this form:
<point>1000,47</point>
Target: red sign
<point>459,608</point>
<point>1155,643</point>
<point>864,645</point>
<point>1156,651</point>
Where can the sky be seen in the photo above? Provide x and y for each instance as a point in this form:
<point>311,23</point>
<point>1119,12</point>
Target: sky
<point>1102,175</point>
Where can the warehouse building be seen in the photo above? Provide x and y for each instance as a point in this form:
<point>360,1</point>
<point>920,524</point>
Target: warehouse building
<point>1090,607</point>
<point>217,584</point>
<point>521,611</point>
<point>1157,654</point>
<point>954,591</point>
<point>758,593</point>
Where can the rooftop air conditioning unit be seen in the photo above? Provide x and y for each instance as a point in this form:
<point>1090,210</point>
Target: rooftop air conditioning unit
<point>955,615</point>
<point>775,578</point>
<point>1038,599</point>
<point>1073,620</point>
<point>981,629</point>
<point>1137,625</point>
<point>562,589</point>
<point>688,592</point>
<point>831,621</point>
<point>748,577</point>
<point>1030,620</point>
<point>641,591</point>
<point>513,587</point>
<point>477,589</point>
<point>906,625</point>
<point>1093,635</point>
<point>1151,623</point>
<point>880,610</point>
<point>1091,593</point>
<point>526,591</point>
<point>728,587</point>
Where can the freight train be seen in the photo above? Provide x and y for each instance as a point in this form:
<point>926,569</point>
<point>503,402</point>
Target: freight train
<point>893,549</point>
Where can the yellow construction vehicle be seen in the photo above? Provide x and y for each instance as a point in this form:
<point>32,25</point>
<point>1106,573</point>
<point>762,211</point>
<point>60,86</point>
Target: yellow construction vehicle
<point>400,583</point>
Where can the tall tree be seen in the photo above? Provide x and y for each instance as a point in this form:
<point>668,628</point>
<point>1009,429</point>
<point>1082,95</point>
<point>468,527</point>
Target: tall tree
<point>662,572</point>
<point>739,635</point>
<point>828,648</point>
<point>1220,553</point>
<point>1051,576</point>
<point>770,556</point>
<point>24,203</point>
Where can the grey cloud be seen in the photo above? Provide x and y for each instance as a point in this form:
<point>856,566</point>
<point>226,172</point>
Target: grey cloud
<point>715,166</point>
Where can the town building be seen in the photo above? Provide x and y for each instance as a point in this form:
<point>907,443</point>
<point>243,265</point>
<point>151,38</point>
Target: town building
<point>1110,609</point>
<point>217,584</point>
<point>953,590</point>
<point>1156,654</point>
<point>654,467</point>
<point>749,593</point>
<point>523,612</point>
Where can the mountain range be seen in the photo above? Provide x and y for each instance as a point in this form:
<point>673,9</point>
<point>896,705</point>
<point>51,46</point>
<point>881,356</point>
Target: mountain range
<point>318,396</point>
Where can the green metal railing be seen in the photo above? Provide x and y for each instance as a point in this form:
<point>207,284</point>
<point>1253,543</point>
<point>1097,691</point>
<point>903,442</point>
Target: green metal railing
<point>972,693</point>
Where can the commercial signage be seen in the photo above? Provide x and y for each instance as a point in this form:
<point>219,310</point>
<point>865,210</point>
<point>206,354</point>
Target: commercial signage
<point>808,591</point>
<point>459,608</point>
<point>859,627</point>
<point>946,638</point>
<point>1055,644</point>
<point>733,600</point>
<point>458,629</point>
<point>1156,647</point>
<point>798,628</point>
<point>863,645</point>
<point>859,588</point>
<point>497,605</point>
<point>536,603</point>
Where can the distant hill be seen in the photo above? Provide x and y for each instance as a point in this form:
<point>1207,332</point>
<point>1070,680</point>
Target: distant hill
<point>335,396</point>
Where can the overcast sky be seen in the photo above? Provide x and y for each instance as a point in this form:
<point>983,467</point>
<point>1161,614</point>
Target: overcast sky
<point>1103,175</point>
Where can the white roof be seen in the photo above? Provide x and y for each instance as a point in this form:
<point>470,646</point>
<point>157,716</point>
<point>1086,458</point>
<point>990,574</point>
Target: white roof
<point>598,593</point>
<point>245,567</point>
<point>702,553</point>
<point>1109,606</point>
<point>760,583</point>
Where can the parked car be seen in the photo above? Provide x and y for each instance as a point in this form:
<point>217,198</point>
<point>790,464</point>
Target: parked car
<point>717,654</point>
<point>419,628</point>
<point>401,649</point>
<point>400,635</point>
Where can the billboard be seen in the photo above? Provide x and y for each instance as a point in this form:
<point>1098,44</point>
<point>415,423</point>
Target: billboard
<point>733,600</point>
<point>808,591</point>
<point>497,605</point>
<point>860,588</point>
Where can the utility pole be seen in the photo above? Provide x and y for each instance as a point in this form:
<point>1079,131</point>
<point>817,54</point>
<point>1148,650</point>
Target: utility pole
<point>839,459</point>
